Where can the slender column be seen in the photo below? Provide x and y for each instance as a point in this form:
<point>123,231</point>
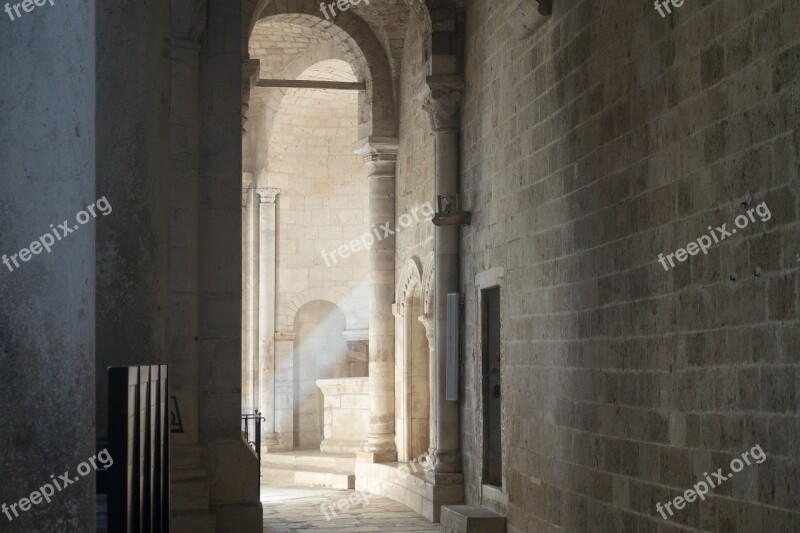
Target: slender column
<point>267,266</point>
<point>250,298</point>
<point>442,103</point>
<point>427,321</point>
<point>47,303</point>
<point>380,156</point>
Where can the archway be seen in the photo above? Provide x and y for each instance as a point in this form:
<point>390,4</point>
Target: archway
<point>320,352</point>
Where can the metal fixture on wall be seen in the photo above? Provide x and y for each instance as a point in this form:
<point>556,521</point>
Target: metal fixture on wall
<point>448,212</point>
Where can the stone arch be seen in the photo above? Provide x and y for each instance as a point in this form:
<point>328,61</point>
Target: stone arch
<point>428,285</point>
<point>264,106</point>
<point>362,50</point>
<point>409,282</point>
<point>335,296</point>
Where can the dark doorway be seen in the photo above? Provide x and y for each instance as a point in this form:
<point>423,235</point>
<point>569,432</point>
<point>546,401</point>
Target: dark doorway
<point>492,389</point>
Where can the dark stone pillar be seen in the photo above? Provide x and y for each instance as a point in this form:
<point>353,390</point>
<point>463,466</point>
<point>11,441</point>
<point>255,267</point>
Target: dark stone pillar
<point>47,308</point>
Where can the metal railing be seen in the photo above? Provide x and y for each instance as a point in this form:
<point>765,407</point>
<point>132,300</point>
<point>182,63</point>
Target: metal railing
<point>251,429</point>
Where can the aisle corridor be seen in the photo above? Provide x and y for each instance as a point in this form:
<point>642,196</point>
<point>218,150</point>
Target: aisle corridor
<point>290,509</point>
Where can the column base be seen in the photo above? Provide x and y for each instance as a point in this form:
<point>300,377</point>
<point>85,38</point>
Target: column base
<point>439,478</point>
<point>272,445</point>
<point>377,457</point>
<point>443,465</point>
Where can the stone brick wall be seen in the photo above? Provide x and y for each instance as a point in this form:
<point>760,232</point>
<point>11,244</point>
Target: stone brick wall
<point>415,161</point>
<point>610,136</point>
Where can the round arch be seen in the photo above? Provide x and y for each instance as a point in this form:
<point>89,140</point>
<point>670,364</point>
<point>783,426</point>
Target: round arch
<point>362,50</point>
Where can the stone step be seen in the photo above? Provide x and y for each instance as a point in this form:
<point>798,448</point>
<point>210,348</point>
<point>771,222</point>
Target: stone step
<point>312,459</point>
<point>193,521</point>
<point>189,490</point>
<point>307,476</point>
<point>186,455</point>
<point>471,519</point>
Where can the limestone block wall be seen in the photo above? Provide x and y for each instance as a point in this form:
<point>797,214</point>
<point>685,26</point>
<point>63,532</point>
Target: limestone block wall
<point>608,137</point>
<point>415,160</point>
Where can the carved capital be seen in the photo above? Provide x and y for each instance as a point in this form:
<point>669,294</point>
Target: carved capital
<point>427,321</point>
<point>442,101</point>
<point>268,195</point>
<point>187,19</point>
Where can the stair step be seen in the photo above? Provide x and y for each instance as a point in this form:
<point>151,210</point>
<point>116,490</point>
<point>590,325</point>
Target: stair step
<point>311,459</point>
<point>193,521</point>
<point>190,494</point>
<point>304,476</point>
<point>186,455</point>
<point>471,519</point>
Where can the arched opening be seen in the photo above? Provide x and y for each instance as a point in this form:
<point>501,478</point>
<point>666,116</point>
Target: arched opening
<point>320,352</point>
<point>412,372</point>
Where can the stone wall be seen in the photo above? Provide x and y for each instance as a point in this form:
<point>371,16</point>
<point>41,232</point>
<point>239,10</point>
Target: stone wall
<point>323,200</point>
<point>415,156</point>
<point>609,136</point>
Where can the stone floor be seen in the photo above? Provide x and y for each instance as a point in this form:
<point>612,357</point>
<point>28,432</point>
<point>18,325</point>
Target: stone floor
<point>292,509</point>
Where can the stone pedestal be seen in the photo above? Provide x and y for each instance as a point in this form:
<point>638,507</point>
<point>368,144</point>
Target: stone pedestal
<point>346,414</point>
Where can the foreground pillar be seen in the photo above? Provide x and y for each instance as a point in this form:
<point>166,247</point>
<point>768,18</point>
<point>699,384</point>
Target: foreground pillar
<point>47,145</point>
<point>442,103</point>
<point>380,156</point>
<point>133,170</point>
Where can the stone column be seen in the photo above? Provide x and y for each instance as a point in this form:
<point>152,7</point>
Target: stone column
<point>47,314</point>
<point>380,156</point>
<point>442,103</point>
<point>427,322</point>
<point>250,297</point>
<point>267,266</point>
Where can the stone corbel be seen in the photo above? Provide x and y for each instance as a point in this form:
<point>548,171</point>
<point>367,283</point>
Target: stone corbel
<point>527,16</point>
<point>378,153</point>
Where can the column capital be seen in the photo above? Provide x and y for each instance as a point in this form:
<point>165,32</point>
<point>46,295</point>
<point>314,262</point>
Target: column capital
<point>427,322</point>
<point>268,195</point>
<point>442,101</point>
<point>378,153</point>
<point>187,20</point>
<point>376,147</point>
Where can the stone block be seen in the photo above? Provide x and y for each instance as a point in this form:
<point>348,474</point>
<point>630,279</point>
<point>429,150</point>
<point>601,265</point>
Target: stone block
<point>471,519</point>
